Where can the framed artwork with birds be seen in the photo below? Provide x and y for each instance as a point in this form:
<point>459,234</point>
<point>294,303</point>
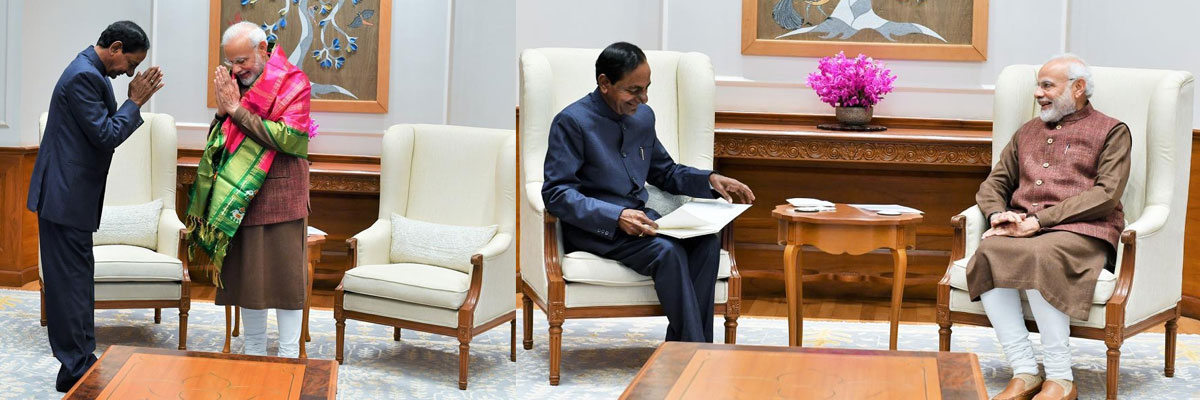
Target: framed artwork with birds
<point>893,29</point>
<point>342,45</point>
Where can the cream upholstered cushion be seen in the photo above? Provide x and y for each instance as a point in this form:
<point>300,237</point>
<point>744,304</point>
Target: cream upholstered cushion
<point>437,244</point>
<point>584,267</point>
<point>134,225</point>
<point>413,283</point>
<point>126,291</point>
<point>402,310</point>
<point>587,295</point>
<point>124,263</point>
<point>1104,285</point>
<point>960,302</point>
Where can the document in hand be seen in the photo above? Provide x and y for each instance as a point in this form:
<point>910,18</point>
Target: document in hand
<point>699,217</point>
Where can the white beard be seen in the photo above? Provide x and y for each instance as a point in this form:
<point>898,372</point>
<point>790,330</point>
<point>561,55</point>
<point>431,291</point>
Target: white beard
<point>1061,106</point>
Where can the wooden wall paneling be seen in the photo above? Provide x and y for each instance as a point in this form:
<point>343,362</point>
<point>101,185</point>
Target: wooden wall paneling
<point>18,235</point>
<point>1191,237</point>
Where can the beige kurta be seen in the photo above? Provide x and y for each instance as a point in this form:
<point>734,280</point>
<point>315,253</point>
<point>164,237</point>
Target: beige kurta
<point>266,266</point>
<point>1062,265</point>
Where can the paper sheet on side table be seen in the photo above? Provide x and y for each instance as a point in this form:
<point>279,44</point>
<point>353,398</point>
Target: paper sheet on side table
<point>887,207</point>
<point>699,217</point>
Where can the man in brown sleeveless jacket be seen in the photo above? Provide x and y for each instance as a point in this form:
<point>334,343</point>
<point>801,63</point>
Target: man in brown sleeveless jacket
<point>1054,204</point>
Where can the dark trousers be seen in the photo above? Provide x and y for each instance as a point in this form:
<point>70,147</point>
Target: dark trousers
<point>685,275</point>
<point>68,268</point>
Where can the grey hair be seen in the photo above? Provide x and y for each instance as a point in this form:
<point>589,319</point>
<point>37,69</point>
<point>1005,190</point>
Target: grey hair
<point>1077,69</point>
<point>246,29</point>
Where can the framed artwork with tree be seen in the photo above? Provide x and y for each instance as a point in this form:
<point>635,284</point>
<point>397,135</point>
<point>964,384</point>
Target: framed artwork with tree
<point>954,30</point>
<point>342,45</point>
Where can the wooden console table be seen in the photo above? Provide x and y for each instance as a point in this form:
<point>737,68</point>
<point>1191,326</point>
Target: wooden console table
<point>848,230</point>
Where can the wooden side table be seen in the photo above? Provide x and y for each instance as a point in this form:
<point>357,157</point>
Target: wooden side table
<point>847,230</point>
<point>313,247</point>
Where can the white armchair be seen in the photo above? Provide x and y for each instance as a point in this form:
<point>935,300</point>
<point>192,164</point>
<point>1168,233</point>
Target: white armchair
<point>446,175</point>
<point>579,284</point>
<point>143,170</point>
<point>1157,106</point>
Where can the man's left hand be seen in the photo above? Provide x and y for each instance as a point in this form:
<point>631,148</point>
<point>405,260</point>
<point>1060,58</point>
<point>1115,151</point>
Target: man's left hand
<point>728,187</point>
<point>227,93</point>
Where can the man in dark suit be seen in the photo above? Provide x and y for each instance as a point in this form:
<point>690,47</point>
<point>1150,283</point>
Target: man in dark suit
<point>601,153</point>
<point>67,188</point>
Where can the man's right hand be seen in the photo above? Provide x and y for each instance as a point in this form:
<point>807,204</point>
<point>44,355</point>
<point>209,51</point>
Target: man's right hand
<point>636,223</point>
<point>1006,217</point>
<point>144,85</point>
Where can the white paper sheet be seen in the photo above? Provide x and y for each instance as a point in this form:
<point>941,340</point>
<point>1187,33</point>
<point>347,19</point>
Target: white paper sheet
<point>809,202</point>
<point>699,217</point>
<point>887,207</point>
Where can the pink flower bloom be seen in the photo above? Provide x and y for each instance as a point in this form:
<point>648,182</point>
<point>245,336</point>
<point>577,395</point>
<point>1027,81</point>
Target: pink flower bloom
<point>312,128</point>
<point>846,82</point>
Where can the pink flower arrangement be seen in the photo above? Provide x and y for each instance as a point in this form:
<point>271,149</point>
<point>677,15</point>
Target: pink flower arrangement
<point>851,82</point>
<point>312,128</point>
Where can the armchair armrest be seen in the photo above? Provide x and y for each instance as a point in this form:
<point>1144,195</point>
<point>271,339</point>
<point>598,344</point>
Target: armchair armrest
<point>371,246</point>
<point>968,231</point>
<point>533,194</point>
<point>1149,266</point>
<point>1153,218</point>
<point>553,256</point>
<point>494,248</point>
<point>169,233</point>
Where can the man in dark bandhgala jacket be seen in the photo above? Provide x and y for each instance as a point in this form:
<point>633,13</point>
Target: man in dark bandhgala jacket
<point>602,152</point>
<point>83,128</point>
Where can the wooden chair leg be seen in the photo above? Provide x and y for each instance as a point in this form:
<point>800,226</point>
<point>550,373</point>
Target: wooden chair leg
<point>1172,330</point>
<point>944,337</point>
<point>183,321</point>
<point>464,361</point>
<point>228,322</point>
<point>237,320</point>
<point>512,347</point>
<point>730,328</point>
<point>341,334</point>
<point>526,320</point>
<point>42,291</point>
<point>396,334</point>
<point>555,350</point>
<point>157,315</point>
<point>1114,370</point>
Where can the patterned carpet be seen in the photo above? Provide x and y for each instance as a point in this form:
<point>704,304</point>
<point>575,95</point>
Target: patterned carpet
<point>600,356</point>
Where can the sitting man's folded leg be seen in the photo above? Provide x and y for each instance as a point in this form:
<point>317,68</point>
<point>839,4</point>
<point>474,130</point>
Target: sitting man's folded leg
<point>667,261</point>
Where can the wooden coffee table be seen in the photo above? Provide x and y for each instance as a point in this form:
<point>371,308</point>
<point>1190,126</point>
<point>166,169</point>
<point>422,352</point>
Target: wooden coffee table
<point>720,371</point>
<point>135,372</point>
<point>847,230</point>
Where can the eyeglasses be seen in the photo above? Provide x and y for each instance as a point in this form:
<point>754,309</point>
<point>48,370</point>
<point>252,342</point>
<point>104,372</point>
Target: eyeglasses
<point>240,61</point>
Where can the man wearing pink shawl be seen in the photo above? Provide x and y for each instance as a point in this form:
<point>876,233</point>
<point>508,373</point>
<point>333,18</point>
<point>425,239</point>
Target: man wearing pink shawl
<point>249,206</point>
